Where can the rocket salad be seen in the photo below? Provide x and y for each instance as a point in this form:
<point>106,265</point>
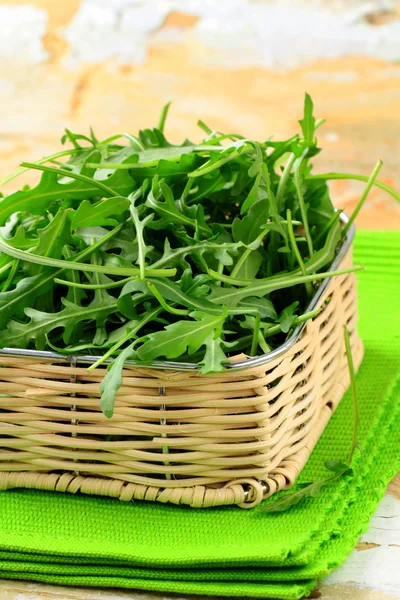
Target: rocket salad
<point>133,248</point>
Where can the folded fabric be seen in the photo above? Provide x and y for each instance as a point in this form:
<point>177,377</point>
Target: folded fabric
<point>228,551</point>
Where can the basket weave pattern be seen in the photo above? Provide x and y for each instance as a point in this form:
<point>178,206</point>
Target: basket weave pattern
<point>229,438</point>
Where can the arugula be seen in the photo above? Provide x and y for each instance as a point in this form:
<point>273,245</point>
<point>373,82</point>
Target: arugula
<point>214,359</point>
<point>41,323</point>
<point>288,316</point>
<point>182,336</point>
<point>307,123</point>
<point>50,189</point>
<point>52,239</point>
<point>100,213</point>
<point>202,249</point>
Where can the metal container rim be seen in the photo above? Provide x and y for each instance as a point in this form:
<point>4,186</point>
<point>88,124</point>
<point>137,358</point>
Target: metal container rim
<point>247,363</point>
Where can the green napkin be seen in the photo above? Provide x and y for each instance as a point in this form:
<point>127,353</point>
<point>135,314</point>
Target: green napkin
<point>228,551</point>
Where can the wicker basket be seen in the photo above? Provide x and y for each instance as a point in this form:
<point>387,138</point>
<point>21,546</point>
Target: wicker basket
<point>177,436</point>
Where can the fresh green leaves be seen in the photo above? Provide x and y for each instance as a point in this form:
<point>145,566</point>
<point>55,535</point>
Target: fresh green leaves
<point>52,239</point>
<point>53,188</point>
<point>182,336</point>
<point>112,381</point>
<point>40,323</point>
<point>288,316</point>
<point>307,123</point>
<point>202,248</point>
<point>214,358</point>
<point>100,213</point>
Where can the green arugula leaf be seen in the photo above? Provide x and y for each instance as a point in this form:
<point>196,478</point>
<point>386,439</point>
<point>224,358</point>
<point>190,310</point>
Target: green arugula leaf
<point>180,337</point>
<point>21,241</point>
<point>37,199</point>
<point>249,268</point>
<point>20,335</point>
<point>307,123</point>
<point>214,359</point>
<point>288,316</point>
<point>197,286</point>
<point>261,287</point>
<point>52,239</point>
<point>285,502</point>
<point>112,381</point>
<point>263,305</point>
<point>13,302</point>
<point>174,293</point>
<point>140,225</point>
<point>253,196</point>
<point>122,241</point>
<point>75,295</point>
<point>248,228</point>
<point>91,215</point>
<point>222,251</point>
<point>169,212</point>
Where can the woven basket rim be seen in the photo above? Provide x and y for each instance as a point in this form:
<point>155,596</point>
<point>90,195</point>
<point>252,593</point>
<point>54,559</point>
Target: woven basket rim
<point>181,366</point>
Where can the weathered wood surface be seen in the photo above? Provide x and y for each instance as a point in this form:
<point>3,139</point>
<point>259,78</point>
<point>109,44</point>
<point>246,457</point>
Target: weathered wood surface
<point>53,76</point>
<point>47,84</point>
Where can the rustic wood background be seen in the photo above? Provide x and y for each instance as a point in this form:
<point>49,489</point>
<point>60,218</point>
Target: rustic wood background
<point>240,65</point>
<point>55,73</point>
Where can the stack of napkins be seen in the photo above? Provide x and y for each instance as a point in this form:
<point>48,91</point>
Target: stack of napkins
<point>92,541</point>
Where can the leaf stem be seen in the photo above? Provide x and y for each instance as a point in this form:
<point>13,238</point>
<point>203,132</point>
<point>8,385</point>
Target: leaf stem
<point>274,329</point>
<point>78,266</point>
<point>254,343</point>
<point>45,159</point>
<point>211,165</point>
<point>163,303</point>
<point>13,270</point>
<point>5,267</point>
<point>72,175</point>
<point>332,176</point>
<point>295,249</point>
<point>298,183</point>
<point>246,254</point>
<point>273,201</point>
<point>94,286</point>
<point>163,117</point>
<point>274,283</point>
<point>284,179</point>
<point>352,375</point>
<point>370,183</point>
<point>128,335</point>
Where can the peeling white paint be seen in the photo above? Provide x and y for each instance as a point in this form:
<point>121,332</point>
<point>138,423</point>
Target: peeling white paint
<point>376,568</point>
<point>114,29</point>
<point>336,77</point>
<point>235,33</point>
<point>7,87</point>
<point>393,72</point>
<point>332,137</point>
<point>21,31</point>
<point>372,569</point>
<point>229,33</point>
<point>287,34</point>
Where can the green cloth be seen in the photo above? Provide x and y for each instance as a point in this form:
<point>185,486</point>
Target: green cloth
<point>82,540</point>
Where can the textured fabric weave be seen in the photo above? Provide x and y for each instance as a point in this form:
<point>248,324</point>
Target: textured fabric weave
<point>81,540</point>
